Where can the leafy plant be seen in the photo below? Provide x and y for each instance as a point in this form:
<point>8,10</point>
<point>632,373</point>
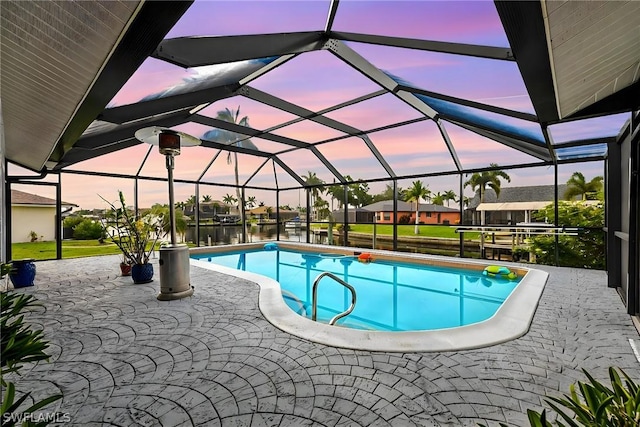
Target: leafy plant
<point>20,344</point>
<point>5,268</point>
<point>9,406</point>
<point>124,260</point>
<point>88,230</point>
<point>136,237</point>
<point>593,404</point>
<point>599,405</point>
<point>519,252</point>
<point>573,251</point>
<point>72,221</point>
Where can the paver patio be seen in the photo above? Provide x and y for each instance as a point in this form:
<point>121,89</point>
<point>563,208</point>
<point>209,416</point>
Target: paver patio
<point>121,357</point>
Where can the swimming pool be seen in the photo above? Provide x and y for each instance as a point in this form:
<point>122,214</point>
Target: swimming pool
<point>391,296</point>
<point>405,302</point>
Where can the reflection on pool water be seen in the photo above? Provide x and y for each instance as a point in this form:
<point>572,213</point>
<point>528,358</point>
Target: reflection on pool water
<point>391,295</point>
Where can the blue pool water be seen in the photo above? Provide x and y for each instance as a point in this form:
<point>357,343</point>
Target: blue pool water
<point>391,296</point>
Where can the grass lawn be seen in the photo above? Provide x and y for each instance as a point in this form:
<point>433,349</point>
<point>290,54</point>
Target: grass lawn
<point>443,231</point>
<point>86,248</point>
<point>70,249</point>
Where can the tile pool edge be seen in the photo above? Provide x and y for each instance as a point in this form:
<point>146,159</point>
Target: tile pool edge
<point>512,320</point>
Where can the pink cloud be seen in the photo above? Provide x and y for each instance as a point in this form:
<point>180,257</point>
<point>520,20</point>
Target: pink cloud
<point>260,116</point>
<point>377,112</point>
<point>590,128</point>
<point>308,131</point>
<point>315,80</point>
<point>318,80</point>
<point>209,17</point>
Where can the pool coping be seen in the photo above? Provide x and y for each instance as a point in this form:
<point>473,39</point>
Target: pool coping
<point>511,320</point>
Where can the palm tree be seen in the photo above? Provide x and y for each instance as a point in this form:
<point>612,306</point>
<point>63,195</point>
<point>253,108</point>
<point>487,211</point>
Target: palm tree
<point>415,193</point>
<point>206,198</point>
<point>449,196</point>
<point>312,179</point>
<point>232,138</point>
<point>402,195</point>
<point>438,199</point>
<point>229,200</point>
<point>480,181</point>
<point>322,208</point>
<point>387,193</point>
<point>191,200</point>
<point>578,186</point>
<point>162,212</point>
<point>487,179</point>
<point>465,201</point>
<point>251,202</point>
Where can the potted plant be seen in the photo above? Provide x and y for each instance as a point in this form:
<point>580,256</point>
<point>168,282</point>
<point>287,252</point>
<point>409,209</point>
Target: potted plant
<point>23,272</point>
<point>135,236</point>
<point>125,266</point>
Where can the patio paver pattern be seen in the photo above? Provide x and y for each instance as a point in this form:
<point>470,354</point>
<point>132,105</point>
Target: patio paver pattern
<point>121,357</point>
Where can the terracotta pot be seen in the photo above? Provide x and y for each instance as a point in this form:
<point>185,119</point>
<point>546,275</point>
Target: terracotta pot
<point>125,269</point>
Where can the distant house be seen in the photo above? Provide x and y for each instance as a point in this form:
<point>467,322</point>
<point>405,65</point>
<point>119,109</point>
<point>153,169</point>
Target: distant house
<point>269,212</point>
<point>515,204</point>
<point>427,213</point>
<point>209,210</point>
<point>354,215</point>
<point>34,216</point>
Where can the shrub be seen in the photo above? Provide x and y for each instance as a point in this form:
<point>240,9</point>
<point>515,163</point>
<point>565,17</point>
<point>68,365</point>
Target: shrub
<point>573,251</point>
<point>404,219</point>
<point>72,221</point>
<point>88,230</point>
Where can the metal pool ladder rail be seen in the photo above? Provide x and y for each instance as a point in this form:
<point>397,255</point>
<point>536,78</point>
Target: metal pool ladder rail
<point>314,302</point>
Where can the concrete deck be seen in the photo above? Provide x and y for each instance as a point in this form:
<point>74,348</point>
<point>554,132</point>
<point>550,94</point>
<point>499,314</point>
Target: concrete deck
<point>121,357</point>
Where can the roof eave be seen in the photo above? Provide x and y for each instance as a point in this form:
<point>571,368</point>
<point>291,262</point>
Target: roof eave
<point>148,29</point>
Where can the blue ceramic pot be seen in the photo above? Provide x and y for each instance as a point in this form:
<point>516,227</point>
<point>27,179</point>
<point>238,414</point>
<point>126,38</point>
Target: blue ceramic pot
<point>142,273</point>
<point>24,271</point>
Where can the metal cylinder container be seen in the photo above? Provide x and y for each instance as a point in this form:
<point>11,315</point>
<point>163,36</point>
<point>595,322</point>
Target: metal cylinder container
<point>175,282</point>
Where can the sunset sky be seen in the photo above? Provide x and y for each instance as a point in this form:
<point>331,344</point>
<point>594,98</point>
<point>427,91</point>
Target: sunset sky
<point>317,80</point>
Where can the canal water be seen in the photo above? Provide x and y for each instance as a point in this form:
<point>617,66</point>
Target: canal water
<point>230,234</point>
<point>223,234</point>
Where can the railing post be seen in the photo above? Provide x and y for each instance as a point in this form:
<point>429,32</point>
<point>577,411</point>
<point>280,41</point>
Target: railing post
<point>314,298</point>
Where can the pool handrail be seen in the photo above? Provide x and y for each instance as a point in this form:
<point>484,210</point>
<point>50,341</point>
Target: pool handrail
<point>314,301</point>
